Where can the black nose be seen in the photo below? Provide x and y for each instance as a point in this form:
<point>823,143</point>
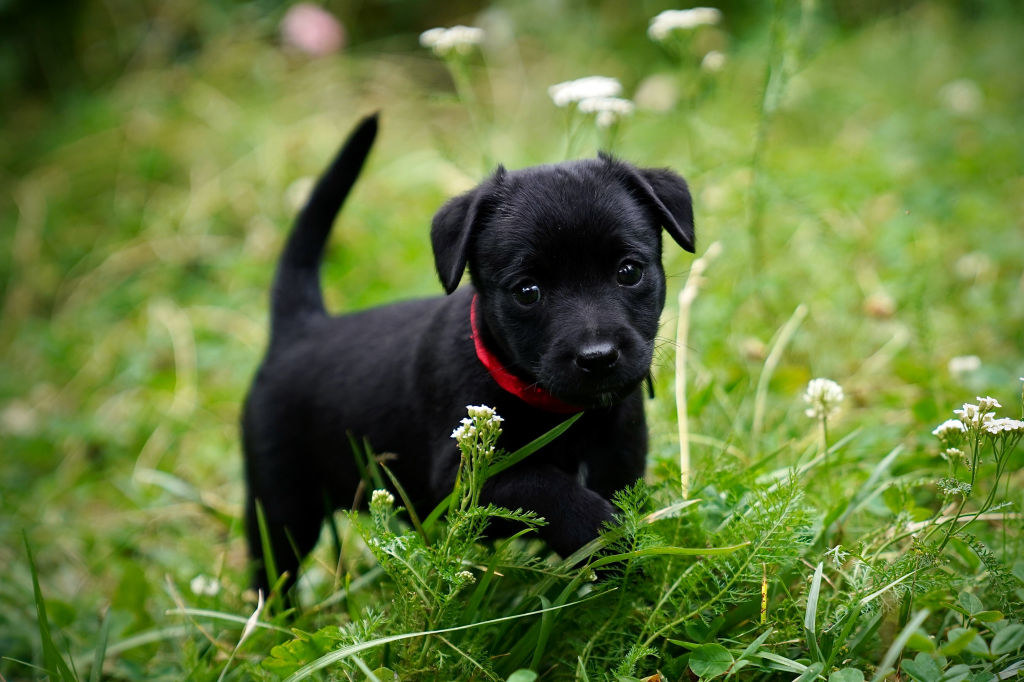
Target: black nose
<point>597,357</point>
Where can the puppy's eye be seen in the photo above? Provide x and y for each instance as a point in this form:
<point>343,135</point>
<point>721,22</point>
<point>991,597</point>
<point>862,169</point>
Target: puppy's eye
<point>526,293</point>
<point>629,274</point>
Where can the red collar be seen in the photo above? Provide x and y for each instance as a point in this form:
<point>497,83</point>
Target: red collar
<point>530,393</point>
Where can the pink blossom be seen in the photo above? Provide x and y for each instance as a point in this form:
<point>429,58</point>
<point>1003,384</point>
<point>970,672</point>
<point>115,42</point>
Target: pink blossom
<point>312,29</point>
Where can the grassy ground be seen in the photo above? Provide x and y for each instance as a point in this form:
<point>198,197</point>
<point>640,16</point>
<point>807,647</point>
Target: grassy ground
<point>869,212</point>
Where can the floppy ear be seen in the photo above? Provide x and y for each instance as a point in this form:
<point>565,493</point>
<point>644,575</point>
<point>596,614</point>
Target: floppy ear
<point>664,192</point>
<point>671,199</point>
<point>453,227</point>
<point>449,235</point>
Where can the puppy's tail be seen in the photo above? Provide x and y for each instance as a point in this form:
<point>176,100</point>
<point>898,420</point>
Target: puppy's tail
<point>295,294</point>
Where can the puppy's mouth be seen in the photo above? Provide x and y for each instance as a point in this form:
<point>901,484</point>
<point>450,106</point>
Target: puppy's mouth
<point>605,394</point>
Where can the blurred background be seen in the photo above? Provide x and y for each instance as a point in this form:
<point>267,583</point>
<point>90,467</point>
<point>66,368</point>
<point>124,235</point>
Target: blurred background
<point>863,159</point>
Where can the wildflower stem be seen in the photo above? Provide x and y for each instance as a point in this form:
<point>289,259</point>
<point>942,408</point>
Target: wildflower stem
<point>459,70</point>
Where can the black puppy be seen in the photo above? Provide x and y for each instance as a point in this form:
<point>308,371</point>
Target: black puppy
<point>567,287</point>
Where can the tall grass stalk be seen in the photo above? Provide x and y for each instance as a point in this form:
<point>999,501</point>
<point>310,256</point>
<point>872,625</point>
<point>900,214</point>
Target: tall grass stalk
<point>770,364</point>
<point>686,297</point>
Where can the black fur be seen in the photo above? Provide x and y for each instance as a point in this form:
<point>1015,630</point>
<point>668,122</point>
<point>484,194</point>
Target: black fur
<point>402,375</point>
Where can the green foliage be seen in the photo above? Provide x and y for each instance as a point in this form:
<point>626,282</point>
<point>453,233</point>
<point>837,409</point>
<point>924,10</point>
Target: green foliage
<point>864,184</point>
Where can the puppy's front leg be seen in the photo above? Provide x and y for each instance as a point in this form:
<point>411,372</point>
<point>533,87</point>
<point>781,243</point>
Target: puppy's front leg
<point>574,513</point>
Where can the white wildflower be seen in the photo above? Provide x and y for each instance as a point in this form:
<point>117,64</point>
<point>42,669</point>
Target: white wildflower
<point>949,428</point>
<point>952,454</point>
<point>465,431</point>
<point>823,396</point>
<point>204,586</point>
<point>465,577</point>
<point>565,93</point>
<point>973,416</point>
<point>457,39</point>
<point>381,498</point>
<point>997,426</point>
<point>713,61</point>
<point>987,404</point>
<point>608,109</point>
<point>963,364</point>
<point>682,20</point>
<point>483,412</point>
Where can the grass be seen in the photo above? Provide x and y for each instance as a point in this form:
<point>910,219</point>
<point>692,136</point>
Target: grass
<point>877,235</point>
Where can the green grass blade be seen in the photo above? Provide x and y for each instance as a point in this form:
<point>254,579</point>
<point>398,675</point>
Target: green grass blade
<point>770,364</point>
<point>480,591</point>
<point>879,592</point>
<point>52,658</point>
<point>811,613</point>
<point>269,565</point>
<point>141,639</point>
<point>869,490</point>
<point>533,446</point>
<point>783,662</point>
<point>101,650</point>
<point>750,651</point>
<point>885,667</point>
<point>346,651</point>
<point>869,628</point>
<point>413,516</point>
<point>667,551</point>
<point>366,462</point>
<point>581,671</point>
<point>361,664</point>
<point>546,623</point>
<point>227,617</point>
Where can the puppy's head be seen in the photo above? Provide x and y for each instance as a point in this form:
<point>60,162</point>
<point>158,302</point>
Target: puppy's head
<point>566,261</point>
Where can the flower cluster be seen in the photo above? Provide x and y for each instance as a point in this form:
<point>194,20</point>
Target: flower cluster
<point>823,397</point>
<point>1004,425</point>
<point>949,431</point>
<point>481,419</point>
<point>955,455</point>
<point>381,498</point>
<point>974,421</point>
<point>963,364</point>
<point>608,109</point>
<point>671,20</point>
<point>204,586</point>
<point>483,412</point>
<point>479,431</point>
<point>575,91</point>
<point>977,416</point>
<point>457,40</point>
